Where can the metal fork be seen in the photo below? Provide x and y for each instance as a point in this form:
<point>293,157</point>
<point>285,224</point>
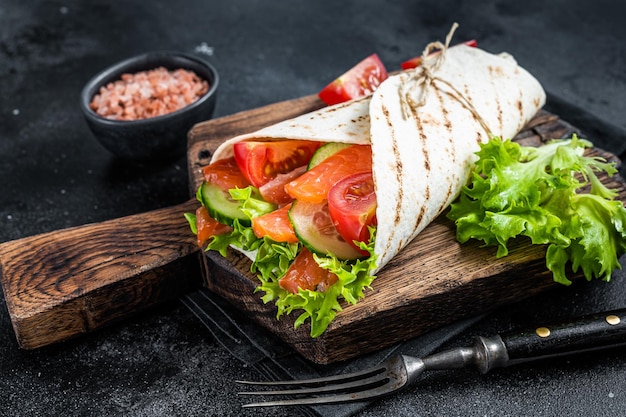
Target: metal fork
<point>593,332</point>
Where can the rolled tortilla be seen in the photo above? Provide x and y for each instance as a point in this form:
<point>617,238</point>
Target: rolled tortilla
<point>422,155</point>
<point>347,122</point>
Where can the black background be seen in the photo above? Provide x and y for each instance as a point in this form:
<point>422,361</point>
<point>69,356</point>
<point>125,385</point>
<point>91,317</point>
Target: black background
<point>54,174</point>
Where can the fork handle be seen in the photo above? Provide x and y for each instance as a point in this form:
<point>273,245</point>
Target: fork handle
<point>587,333</point>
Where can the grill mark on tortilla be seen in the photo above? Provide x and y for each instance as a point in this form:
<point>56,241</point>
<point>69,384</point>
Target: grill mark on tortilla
<point>420,217</point>
<point>448,125</point>
<point>420,131</point>
<point>520,109</point>
<point>497,72</point>
<point>399,176</point>
<point>423,139</point>
<point>444,203</point>
<point>444,111</point>
<point>468,97</point>
<point>361,118</point>
<point>479,132</point>
<point>479,137</point>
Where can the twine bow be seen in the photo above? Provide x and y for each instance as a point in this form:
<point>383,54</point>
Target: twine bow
<point>425,77</point>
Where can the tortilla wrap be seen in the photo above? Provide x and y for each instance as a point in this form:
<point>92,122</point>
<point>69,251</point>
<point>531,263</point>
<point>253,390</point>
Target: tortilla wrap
<point>421,155</point>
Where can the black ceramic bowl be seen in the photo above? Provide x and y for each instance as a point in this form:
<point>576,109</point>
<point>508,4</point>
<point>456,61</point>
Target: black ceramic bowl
<point>156,138</point>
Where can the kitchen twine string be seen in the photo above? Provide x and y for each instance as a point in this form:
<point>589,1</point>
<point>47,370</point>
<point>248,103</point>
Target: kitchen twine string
<point>425,76</point>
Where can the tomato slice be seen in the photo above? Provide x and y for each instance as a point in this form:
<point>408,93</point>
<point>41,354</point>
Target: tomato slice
<point>417,61</point>
<point>260,161</point>
<point>313,185</point>
<point>275,225</point>
<point>305,273</point>
<point>352,207</point>
<point>208,227</point>
<point>274,190</point>
<point>359,81</point>
<point>225,173</point>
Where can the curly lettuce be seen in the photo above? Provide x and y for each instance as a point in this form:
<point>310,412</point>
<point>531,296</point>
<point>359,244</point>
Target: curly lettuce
<point>322,307</point>
<point>550,195</point>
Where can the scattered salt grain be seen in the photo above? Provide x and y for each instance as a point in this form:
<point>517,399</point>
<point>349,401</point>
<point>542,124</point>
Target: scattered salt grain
<point>205,49</point>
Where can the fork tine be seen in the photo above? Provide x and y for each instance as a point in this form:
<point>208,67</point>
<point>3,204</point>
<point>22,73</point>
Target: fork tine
<point>325,399</point>
<point>376,379</point>
<point>357,386</point>
<point>340,378</point>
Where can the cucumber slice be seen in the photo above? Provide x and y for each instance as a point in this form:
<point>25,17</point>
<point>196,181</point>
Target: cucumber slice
<point>220,205</point>
<point>315,229</point>
<point>325,151</point>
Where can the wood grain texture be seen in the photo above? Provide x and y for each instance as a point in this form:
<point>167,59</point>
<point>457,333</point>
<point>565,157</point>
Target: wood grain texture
<point>432,282</point>
<point>65,283</point>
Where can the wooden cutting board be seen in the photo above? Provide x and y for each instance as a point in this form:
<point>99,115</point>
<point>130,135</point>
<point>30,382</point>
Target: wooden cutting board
<point>432,282</point>
<point>65,283</point>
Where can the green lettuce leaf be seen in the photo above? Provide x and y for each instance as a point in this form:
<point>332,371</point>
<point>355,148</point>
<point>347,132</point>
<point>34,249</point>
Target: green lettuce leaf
<point>550,195</point>
<point>191,219</point>
<point>242,237</point>
<point>251,202</point>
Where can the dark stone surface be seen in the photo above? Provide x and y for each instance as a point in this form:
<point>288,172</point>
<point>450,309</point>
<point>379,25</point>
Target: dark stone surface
<point>163,362</point>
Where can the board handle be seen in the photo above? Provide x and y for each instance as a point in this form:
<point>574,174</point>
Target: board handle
<point>60,284</point>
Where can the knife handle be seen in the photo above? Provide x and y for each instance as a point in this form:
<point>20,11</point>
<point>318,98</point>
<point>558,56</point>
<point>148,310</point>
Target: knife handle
<point>586,333</point>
